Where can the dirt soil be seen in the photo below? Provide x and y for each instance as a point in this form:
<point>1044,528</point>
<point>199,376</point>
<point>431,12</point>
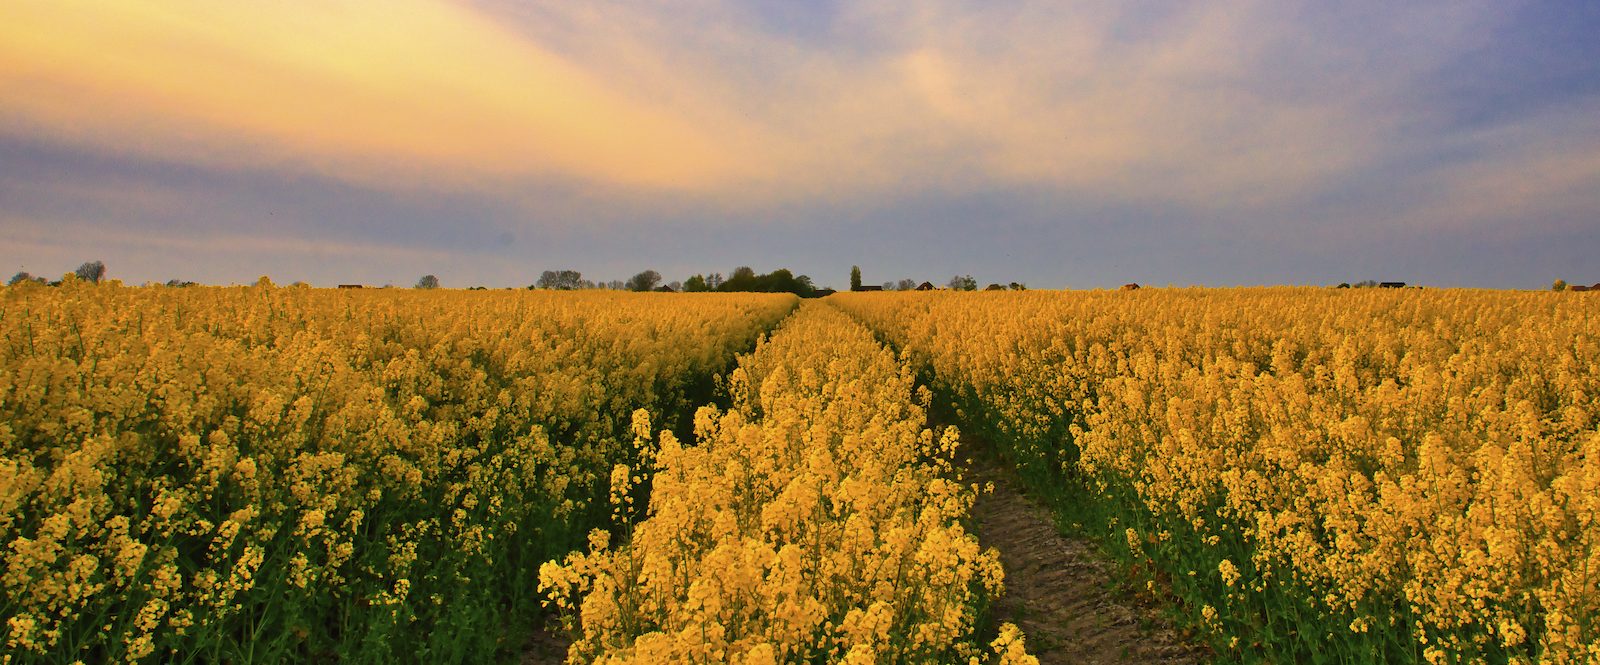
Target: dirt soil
<point>1059,589</point>
<point>545,647</point>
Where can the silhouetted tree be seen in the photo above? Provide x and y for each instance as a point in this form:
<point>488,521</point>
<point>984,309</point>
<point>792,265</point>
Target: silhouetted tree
<point>23,277</point>
<point>560,280</point>
<point>1018,286</point>
<point>906,285</point>
<point>644,281</point>
<point>180,283</point>
<point>778,281</point>
<point>93,272</point>
<point>963,283</point>
<point>855,278</point>
<point>1559,285</point>
<point>428,282</point>
<point>714,281</point>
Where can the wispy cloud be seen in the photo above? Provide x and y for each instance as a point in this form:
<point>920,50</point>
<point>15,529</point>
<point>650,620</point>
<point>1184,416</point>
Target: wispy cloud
<point>57,244</point>
<point>401,89</point>
<point>609,128</point>
<point>1181,102</point>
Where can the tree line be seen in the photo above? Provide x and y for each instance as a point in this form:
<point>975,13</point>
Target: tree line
<point>956,283</point>
<point>90,271</point>
<point>742,279</point>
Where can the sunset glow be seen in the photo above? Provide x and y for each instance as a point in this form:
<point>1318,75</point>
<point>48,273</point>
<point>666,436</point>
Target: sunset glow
<point>1279,127</point>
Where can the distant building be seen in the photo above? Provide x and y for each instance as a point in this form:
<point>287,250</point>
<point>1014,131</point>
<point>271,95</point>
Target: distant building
<point>665,289</point>
<point>1391,285</point>
<point>865,287</point>
<point>350,286</point>
<point>822,293</point>
<point>925,286</point>
<point>1130,287</point>
<point>1581,287</point>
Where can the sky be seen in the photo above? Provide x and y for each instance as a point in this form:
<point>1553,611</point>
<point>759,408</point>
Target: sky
<point>1061,145</point>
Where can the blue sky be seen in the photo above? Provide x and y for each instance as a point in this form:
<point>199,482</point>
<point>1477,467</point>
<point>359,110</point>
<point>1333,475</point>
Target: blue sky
<point>1450,144</point>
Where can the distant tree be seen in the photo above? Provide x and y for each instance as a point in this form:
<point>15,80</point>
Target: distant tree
<point>714,280</point>
<point>888,286</point>
<point>1344,285</point>
<point>675,286</point>
<point>264,282</point>
<point>855,278</point>
<point>1367,284</point>
<point>428,282</point>
<point>24,277</point>
<point>644,281</point>
<point>994,287</point>
<point>91,272</point>
<point>963,283</point>
<point>1559,285</point>
<point>180,283</point>
<point>696,284</point>
<point>1018,286</point>
<point>778,281</point>
<point>560,280</point>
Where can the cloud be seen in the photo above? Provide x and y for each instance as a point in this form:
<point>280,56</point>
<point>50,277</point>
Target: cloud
<point>47,246</point>
<point>1222,106</point>
<point>29,233</point>
<point>1544,169</point>
<point>415,90</point>
<point>1227,107</point>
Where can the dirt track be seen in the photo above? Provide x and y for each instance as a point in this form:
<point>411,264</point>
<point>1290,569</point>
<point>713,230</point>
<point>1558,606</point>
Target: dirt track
<point>1059,589</point>
<point>545,648</point>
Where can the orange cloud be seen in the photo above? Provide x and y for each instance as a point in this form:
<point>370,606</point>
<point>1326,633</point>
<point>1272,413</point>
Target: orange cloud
<point>702,101</point>
<point>358,89</point>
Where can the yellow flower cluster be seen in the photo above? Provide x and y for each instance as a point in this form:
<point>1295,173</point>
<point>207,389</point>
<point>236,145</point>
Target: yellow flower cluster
<point>1423,461</point>
<point>816,519</point>
<point>197,470</point>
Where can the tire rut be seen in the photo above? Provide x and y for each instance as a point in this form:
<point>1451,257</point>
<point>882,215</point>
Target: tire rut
<point>1059,589</point>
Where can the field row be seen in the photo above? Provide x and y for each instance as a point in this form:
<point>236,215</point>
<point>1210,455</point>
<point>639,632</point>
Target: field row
<point>1316,475</point>
<point>286,474</point>
<point>283,474</point>
<point>816,519</point>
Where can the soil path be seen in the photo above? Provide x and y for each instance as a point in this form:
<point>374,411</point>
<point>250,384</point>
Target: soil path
<point>545,647</point>
<point>1059,589</point>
